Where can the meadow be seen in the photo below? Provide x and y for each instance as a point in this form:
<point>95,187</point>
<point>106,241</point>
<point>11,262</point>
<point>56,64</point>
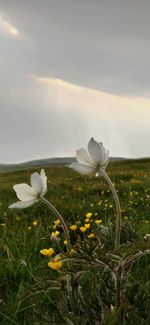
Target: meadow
<point>33,293</point>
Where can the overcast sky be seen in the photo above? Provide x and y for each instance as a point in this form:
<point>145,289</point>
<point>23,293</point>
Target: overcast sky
<point>70,70</point>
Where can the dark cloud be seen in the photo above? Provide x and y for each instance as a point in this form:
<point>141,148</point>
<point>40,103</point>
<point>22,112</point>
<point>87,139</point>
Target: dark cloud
<point>100,44</point>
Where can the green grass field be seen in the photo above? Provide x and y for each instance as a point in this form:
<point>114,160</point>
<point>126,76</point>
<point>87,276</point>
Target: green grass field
<point>28,294</point>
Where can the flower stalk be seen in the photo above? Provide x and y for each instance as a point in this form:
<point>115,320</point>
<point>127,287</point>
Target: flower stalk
<point>94,162</point>
<point>58,215</point>
<point>118,210</point>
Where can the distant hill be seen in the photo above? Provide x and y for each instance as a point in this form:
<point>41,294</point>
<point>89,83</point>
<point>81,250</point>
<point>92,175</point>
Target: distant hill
<point>38,163</point>
<point>44,163</point>
<point>62,161</point>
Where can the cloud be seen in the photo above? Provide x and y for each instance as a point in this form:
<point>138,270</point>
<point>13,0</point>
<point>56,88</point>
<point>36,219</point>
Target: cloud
<point>88,64</point>
<point>46,117</point>
<point>102,45</point>
<point>119,121</point>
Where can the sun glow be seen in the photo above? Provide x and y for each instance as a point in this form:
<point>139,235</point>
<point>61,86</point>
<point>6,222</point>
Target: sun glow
<point>97,97</point>
<point>7,27</point>
<point>60,83</point>
<point>102,114</point>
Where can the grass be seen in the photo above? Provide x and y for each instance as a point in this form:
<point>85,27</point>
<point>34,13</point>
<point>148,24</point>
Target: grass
<point>29,289</point>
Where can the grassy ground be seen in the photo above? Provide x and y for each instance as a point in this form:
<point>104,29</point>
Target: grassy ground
<point>25,294</point>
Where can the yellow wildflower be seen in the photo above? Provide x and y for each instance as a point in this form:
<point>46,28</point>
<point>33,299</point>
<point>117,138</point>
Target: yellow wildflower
<point>91,235</point>
<point>55,233</point>
<point>83,229</point>
<point>89,214</point>
<point>87,220</point>
<point>47,252</point>
<point>87,225</point>
<point>57,222</point>
<point>34,223</point>
<point>98,221</point>
<point>56,263</point>
<point>73,227</point>
<point>65,242</point>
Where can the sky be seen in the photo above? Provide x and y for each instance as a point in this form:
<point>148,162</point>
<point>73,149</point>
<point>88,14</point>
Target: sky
<point>71,70</point>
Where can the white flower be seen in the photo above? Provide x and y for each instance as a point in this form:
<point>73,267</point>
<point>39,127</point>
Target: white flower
<point>28,195</point>
<point>93,161</point>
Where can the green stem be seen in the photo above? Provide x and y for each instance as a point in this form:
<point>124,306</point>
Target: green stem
<point>58,215</point>
<point>118,208</point>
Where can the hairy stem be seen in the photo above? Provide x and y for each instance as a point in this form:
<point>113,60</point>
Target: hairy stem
<point>58,215</point>
<point>118,209</point>
<point>118,297</point>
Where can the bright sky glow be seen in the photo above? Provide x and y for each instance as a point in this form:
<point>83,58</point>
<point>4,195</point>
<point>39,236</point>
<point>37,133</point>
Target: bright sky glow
<point>106,116</point>
<point>7,28</point>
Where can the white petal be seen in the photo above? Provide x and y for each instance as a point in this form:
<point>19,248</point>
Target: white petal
<point>104,152</point>
<point>83,157</point>
<point>24,192</point>
<point>82,169</point>
<point>97,152</point>
<point>37,183</point>
<point>44,180</point>
<point>107,159</point>
<point>22,205</point>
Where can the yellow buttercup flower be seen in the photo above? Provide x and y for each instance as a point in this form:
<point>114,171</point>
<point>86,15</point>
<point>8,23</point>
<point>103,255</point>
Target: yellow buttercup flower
<point>55,233</point>
<point>110,206</point>
<point>73,227</point>
<point>89,214</point>
<point>91,235</point>
<point>98,221</point>
<point>35,223</point>
<point>57,222</point>
<point>87,220</point>
<point>56,263</point>
<point>47,252</point>
<point>87,225</point>
<point>83,229</point>
<point>65,242</point>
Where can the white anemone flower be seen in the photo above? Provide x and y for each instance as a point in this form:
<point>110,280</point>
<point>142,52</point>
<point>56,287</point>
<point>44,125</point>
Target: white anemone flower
<point>93,161</point>
<point>28,195</point>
